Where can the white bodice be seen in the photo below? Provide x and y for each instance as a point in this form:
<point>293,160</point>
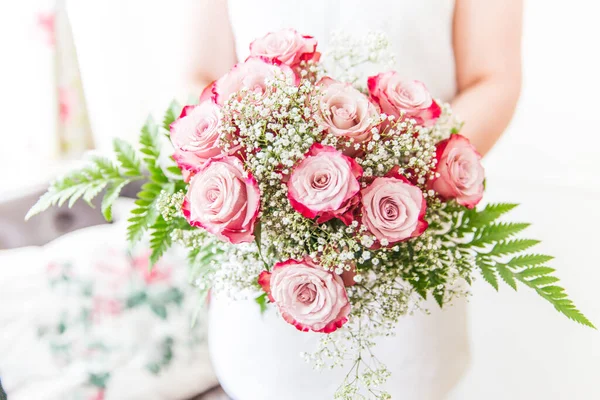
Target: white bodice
<point>420,31</point>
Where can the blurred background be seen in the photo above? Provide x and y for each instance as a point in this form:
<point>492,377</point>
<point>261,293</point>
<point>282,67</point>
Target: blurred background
<point>73,77</point>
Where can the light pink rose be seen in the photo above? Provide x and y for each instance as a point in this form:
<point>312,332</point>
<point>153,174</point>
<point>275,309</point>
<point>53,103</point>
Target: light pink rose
<point>345,111</point>
<point>287,46</point>
<point>196,135</point>
<point>223,199</point>
<point>396,96</point>
<point>323,183</point>
<point>251,75</point>
<point>393,209</point>
<point>461,174</point>
<point>307,296</point>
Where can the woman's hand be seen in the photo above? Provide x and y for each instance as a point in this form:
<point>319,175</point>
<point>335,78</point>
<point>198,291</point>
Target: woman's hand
<point>487,49</point>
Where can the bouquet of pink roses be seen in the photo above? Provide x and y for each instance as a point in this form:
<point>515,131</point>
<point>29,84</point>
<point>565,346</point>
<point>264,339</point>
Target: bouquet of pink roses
<point>321,192</point>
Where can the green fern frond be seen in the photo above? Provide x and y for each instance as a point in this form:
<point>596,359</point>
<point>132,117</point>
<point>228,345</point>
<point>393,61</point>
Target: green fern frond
<point>160,239</point>
<point>512,246</point>
<point>171,115</point>
<point>85,183</point>
<point>489,214</point>
<point>497,232</point>
<point>127,158</point>
<point>528,260</point>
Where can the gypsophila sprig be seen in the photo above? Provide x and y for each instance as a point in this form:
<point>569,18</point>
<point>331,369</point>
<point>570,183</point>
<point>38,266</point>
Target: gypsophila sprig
<point>328,187</point>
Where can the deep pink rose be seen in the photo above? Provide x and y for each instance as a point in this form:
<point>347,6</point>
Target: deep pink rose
<point>287,46</point>
<point>393,209</point>
<point>345,111</point>
<point>223,199</point>
<point>460,171</point>
<point>307,296</point>
<point>196,136</point>
<point>396,96</point>
<point>250,74</point>
<point>323,183</point>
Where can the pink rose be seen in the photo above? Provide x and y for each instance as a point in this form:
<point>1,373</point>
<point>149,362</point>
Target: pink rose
<point>396,96</point>
<point>323,183</point>
<point>251,75</point>
<point>287,46</point>
<point>307,296</point>
<point>393,209</point>
<point>345,111</point>
<point>461,174</point>
<point>223,199</point>
<point>196,136</point>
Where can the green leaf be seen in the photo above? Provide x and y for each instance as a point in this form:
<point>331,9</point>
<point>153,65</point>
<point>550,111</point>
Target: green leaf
<point>127,158</point>
<point>86,183</point>
<point>512,246</point>
<point>489,214</point>
<point>262,301</point>
<point>535,271</point>
<point>160,310</point>
<point>112,193</point>
<point>160,239</point>
<point>171,115</point>
<point>488,273</point>
<point>497,232</point>
<point>529,260</point>
<point>507,276</point>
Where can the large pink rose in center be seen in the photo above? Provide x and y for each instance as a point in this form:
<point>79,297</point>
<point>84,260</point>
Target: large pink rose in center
<point>307,296</point>
<point>323,183</point>
<point>223,199</point>
<point>393,209</point>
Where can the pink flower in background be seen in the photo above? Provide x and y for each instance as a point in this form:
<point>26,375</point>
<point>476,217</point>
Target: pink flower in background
<point>323,183</point>
<point>393,209</point>
<point>461,174</point>
<point>251,75</point>
<point>103,306</point>
<point>47,22</point>
<point>345,111</point>
<point>287,46</point>
<point>396,96</point>
<point>159,273</point>
<point>307,296</point>
<point>64,104</point>
<point>196,136</point>
<point>223,199</point>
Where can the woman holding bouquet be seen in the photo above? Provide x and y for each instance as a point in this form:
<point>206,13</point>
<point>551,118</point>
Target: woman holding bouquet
<point>465,54</point>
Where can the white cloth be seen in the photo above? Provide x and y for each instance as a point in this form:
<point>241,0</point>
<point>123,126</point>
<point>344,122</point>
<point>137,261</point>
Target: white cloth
<point>82,317</point>
<point>429,353</point>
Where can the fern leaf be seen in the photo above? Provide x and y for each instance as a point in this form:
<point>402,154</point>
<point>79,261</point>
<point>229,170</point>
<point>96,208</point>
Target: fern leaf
<point>488,273</point>
<point>529,260</point>
<point>507,276</point>
<point>127,158</point>
<point>112,193</point>
<point>512,246</point>
<point>489,214</point>
<point>171,115</point>
<point>160,239</point>
<point>557,297</point>
<point>497,232</point>
<point>535,271</point>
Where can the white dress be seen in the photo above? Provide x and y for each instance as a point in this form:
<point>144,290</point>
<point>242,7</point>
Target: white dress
<point>258,357</point>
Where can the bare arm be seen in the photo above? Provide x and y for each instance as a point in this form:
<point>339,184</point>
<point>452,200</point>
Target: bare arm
<point>211,42</point>
<point>487,47</point>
